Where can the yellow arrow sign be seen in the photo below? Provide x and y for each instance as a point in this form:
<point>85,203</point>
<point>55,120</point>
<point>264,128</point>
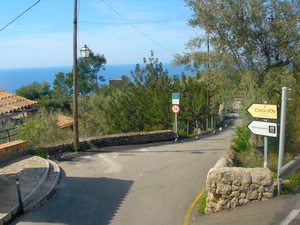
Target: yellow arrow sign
<point>265,111</point>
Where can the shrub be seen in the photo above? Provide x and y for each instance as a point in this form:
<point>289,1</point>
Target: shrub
<point>291,183</point>
<point>241,141</point>
<point>42,130</point>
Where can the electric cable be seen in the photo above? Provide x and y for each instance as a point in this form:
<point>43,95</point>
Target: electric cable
<point>137,29</point>
<point>19,15</point>
<point>137,23</point>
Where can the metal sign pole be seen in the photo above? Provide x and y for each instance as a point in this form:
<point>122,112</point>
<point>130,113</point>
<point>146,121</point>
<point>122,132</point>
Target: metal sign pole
<point>265,152</point>
<point>282,136</point>
<point>21,207</point>
<point>176,128</point>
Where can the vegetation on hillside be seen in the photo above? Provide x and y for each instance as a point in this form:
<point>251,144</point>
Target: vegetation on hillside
<point>251,52</point>
<point>142,103</point>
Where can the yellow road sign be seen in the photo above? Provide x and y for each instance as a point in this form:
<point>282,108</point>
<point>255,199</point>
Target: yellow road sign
<point>265,111</point>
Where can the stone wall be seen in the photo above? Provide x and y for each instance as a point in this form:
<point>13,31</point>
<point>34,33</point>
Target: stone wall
<point>114,140</point>
<point>229,187</point>
<point>12,150</point>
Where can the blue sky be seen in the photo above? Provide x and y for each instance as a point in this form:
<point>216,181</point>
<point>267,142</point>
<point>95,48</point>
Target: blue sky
<point>42,37</point>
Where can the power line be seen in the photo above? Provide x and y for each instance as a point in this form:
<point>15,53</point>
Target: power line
<point>19,15</point>
<point>137,29</point>
<point>136,23</point>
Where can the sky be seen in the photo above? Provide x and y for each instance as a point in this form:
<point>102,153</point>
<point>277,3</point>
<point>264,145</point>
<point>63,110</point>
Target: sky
<point>124,31</point>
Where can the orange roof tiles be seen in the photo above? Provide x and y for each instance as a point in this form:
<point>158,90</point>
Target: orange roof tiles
<point>64,121</point>
<point>11,103</point>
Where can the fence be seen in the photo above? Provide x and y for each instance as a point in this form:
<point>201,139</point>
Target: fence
<point>8,135</point>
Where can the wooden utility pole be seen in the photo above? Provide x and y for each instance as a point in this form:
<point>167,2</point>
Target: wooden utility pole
<point>75,73</point>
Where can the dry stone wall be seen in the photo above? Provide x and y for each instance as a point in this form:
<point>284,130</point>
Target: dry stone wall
<point>114,140</point>
<point>229,187</point>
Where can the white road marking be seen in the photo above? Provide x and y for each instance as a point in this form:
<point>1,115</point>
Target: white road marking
<point>112,166</point>
<point>290,217</point>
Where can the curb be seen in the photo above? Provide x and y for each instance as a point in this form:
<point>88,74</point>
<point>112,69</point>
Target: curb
<point>13,212</point>
<point>41,200</point>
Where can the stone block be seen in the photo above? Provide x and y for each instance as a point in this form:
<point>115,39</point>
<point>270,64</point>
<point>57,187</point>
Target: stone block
<point>235,188</point>
<point>235,194</point>
<point>252,195</point>
<point>268,195</point>
<point>242,195</point>
<point>262,176</point>
<point>254,187</point>
<point>224,189</point>
<point>243,202</point>
<point>234,203</point>
<point>261,189</point>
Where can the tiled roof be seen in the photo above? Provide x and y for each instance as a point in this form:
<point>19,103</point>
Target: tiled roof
<point>10,103</point>
<point>64,121</point>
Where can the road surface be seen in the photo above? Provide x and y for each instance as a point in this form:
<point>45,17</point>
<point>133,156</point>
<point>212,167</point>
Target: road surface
<point>152,184</point>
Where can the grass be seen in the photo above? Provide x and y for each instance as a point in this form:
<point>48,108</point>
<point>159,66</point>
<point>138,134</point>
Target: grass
<point>202,205</point>
<point>255,158</point>
<point>291,184</point>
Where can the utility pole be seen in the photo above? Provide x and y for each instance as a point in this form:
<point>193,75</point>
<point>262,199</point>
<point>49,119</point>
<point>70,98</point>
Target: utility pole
<point>207,92</point>
<point>75,85</point>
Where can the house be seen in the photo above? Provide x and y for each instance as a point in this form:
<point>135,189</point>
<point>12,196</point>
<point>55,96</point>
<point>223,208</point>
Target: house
<point>65,122</point>
<point>13,107</point>
<point>121,82</point>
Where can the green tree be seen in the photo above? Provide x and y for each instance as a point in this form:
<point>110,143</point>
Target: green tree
<point>193,103</point>
<point>145,104</point>
<point>253,35</point>
<point>254,47</point>
<point>88,77</point>
<point>91,115</point>
<point>88,74</point>
<point>61,96</point>
<point>36,91</point>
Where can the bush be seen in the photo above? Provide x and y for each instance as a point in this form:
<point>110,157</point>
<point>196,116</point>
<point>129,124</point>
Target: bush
<point>241,141</point>
<point>42,130</point>
<point>292,183</point>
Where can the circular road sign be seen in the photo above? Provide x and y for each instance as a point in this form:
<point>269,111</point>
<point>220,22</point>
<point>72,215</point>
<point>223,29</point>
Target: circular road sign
<point>175,108</point>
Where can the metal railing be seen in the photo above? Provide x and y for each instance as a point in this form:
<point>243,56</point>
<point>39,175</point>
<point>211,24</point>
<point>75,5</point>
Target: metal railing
<point>8,134</point>
<point>289,168</point>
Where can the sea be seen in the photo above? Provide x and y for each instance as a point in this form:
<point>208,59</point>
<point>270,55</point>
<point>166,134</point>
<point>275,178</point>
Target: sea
<point>15,78</point>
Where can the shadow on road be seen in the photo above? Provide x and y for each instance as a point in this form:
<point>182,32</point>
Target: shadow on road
<point>81,200</point>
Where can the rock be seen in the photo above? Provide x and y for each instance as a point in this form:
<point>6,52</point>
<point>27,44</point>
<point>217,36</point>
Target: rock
<point>253,195</point>
<point>243,202</point>
<point>268,195</point>
<point>223,189</point>
<point>235,194</point>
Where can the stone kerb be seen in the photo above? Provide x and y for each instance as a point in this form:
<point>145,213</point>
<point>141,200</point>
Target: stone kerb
<point>229,187</point>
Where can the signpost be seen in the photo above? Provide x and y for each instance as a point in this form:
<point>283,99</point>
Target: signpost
<point>265,111</point>
<point>175,98</point>
<point>175,110</point>
<point>263,128</point>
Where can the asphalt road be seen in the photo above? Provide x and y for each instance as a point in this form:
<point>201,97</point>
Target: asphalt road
<point>151,184</point>
<point>283,210</point>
